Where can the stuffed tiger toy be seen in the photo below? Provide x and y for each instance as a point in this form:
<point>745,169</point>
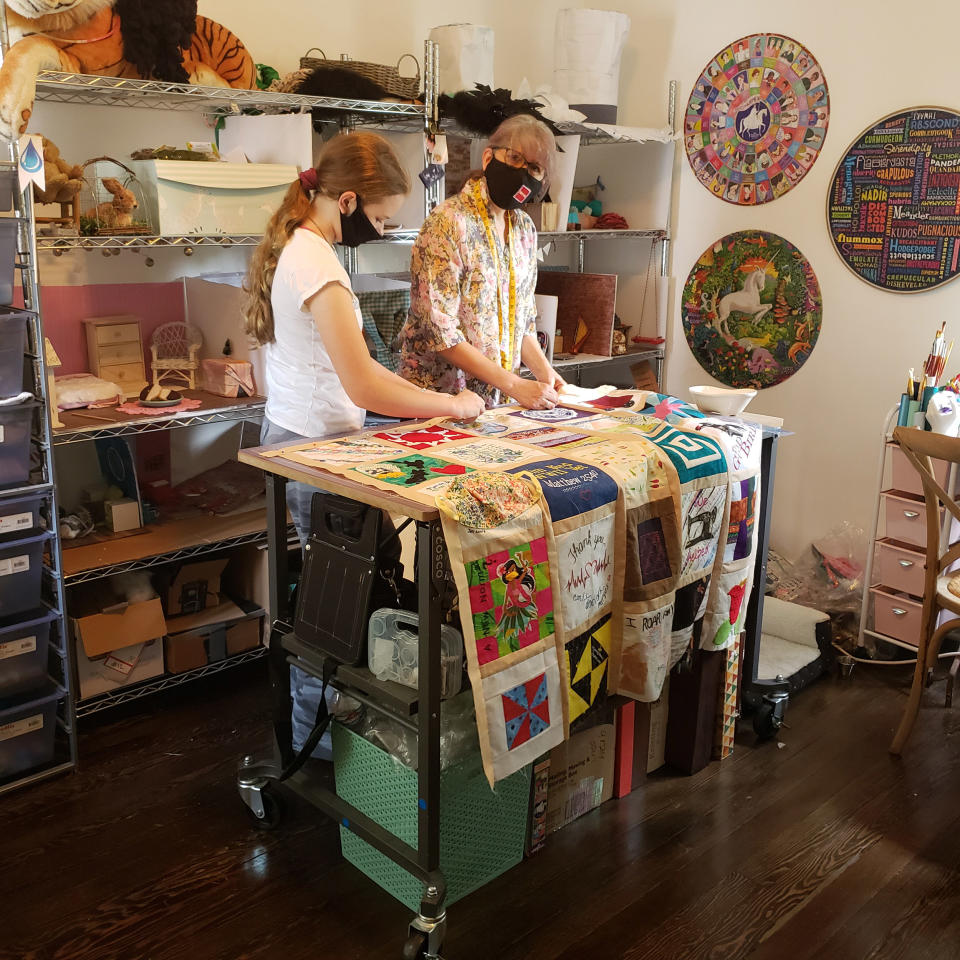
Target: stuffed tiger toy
<point>151,39</point>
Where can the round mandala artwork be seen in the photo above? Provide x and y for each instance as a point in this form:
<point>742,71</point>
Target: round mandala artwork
<point>554,415</point>
<point>894,204</point>
<point>756,119</point>
<point>752,309</point>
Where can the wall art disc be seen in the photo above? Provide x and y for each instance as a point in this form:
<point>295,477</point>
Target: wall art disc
<point>894,204</point>
<point>752,309</point>
<point>756,119</point>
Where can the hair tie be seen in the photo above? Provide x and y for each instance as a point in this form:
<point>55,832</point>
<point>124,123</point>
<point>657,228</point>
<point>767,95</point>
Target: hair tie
<point>309,180</point>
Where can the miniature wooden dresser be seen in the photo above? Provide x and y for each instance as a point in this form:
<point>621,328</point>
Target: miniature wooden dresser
<point>115,352</point>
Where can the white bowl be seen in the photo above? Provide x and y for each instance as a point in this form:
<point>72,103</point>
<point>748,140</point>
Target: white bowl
<point>722,400</point>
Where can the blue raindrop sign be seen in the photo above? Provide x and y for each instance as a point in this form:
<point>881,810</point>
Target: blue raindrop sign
<point>31,159</point>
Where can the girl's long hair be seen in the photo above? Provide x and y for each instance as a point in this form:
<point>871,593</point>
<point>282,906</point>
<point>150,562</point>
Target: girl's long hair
<point>364,163</point>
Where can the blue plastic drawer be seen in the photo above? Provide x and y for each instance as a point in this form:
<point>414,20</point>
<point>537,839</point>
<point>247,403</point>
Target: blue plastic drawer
<point>21,574</point>
<point>28,732</point>
<point>23,655</point>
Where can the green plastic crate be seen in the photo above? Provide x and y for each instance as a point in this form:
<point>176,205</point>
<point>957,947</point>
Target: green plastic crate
<point>481,830</point>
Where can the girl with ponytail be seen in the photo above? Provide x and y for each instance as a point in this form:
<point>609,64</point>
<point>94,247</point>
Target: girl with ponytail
<point>320,378</point>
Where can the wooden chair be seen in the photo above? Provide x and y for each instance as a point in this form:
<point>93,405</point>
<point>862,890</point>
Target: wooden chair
<point>175,348</point>
<point>919,447</point>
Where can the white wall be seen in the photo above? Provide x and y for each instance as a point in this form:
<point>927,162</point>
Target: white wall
<point>836,403</point>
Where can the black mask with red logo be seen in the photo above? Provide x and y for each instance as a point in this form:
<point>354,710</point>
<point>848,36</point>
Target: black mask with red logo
<point>510,187</point>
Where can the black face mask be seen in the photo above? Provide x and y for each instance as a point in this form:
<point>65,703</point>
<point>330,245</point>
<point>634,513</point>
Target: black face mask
<point>510,187</point>
<point>356,228</point>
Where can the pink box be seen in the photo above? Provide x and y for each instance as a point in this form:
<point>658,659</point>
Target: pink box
<point>906,479</point>
<point>227,378</point>
<point>906,519</point>
<point>896,616</point>
<point>900,569</point>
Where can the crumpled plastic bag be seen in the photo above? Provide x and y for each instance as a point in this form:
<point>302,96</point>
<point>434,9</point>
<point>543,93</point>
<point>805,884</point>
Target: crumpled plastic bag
<point>828,576</point>
<point>458,732</point>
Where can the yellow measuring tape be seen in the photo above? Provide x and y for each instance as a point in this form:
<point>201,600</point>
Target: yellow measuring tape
<point>506,356</point>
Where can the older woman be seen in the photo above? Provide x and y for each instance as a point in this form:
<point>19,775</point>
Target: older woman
<point>473,276</point>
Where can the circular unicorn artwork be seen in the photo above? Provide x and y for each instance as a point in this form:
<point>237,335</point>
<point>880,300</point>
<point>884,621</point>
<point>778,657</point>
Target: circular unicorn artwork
<point>752,309</point>
<point>756,119</point>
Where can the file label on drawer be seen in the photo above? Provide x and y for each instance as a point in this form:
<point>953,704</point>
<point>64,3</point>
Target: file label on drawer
<point>14,565</point>
<point>16,648</point>
<point>17,521</point>
<point>27,725</point>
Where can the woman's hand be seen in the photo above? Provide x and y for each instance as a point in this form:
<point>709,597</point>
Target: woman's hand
<point>555,380</point>
<point>534,395</point>
<point>467,405</point>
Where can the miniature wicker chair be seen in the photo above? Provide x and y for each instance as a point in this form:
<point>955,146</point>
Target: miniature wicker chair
<point>175,348</point>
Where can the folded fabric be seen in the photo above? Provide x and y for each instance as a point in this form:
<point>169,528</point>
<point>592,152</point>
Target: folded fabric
<point>85,390</point>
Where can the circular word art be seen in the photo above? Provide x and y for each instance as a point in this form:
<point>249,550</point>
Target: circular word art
<point>894,204</point>
<point>756,119</point>
<point>752,309</point>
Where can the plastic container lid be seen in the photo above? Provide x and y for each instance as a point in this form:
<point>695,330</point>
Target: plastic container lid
<point>35,618</point>
<point>52,691</point>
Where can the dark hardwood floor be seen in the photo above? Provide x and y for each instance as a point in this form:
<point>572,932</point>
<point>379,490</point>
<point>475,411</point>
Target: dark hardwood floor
<point>823,847</point>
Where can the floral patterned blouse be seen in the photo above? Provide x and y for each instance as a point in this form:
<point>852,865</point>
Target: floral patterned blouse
<point>453,292</point>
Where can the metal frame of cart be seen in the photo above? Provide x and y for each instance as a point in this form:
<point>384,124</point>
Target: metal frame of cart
<point>419,712</point>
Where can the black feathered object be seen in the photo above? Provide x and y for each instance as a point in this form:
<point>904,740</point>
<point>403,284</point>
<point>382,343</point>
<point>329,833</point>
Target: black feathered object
<point>482,110</point>
<point>156,35</point>
<point>340,83</point>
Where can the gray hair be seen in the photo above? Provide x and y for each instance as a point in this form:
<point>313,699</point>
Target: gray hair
<point>528,135</point>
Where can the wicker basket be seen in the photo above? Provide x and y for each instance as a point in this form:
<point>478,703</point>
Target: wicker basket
<point>386,76</point>
<point>481,830</point>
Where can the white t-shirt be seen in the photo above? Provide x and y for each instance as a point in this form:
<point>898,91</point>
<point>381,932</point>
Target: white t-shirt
<point>304,393</point>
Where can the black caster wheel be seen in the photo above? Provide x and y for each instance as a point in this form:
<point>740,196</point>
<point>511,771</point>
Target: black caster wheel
<point>415,947</point>
<point>765,723</point>
<point>272,811</point>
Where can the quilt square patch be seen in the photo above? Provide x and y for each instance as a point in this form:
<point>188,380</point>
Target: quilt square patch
<point>654,557</point>
<point>669,409</point>
<point>571,488</point>
<point>742,520</point>
<point>422,438</point>
<point>489,453</point>
<point>526,711</point>
<point>411,470</point>
<point>585,558</point>
<point>556,415</point>
<point>588,660</point>
<point>511,599</point>
<point>694,455</point>
<point>702,519</point>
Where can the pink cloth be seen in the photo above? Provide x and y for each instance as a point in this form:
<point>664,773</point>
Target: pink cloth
<point>136,409</point>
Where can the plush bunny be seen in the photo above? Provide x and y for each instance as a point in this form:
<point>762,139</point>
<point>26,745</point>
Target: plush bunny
<point>116,212</point>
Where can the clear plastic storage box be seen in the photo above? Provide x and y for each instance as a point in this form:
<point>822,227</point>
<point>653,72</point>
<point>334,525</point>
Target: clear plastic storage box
<point>13,345</point>
<point>393,651</point>
<point>28,731</point>
<point>8,256</point>
<point>23,655</point>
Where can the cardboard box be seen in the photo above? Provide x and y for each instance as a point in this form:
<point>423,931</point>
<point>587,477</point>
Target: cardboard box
<point>118,625</point>
<point>196,587</point>
<point>657,738</point>
<point>245,635</point>
<point>184,196</point>
<point>102,674</point>
<point>121,515</point>
<point>212,635</point>
<point>581,775</point>
<point>225,377</point>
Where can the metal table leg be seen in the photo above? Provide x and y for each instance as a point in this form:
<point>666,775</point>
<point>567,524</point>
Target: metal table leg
<point>280,615</point>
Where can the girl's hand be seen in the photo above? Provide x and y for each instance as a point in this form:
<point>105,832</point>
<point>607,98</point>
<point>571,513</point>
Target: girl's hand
<point>467,405</point>
<point>534,395</point>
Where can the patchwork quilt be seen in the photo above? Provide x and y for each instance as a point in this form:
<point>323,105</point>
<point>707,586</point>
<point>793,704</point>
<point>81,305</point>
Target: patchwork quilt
<point>587,543</point>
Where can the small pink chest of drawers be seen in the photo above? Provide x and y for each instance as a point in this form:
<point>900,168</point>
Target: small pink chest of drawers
<point>897,580</point>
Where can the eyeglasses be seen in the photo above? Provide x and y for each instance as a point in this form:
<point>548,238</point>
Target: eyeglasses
<point>514,158</point>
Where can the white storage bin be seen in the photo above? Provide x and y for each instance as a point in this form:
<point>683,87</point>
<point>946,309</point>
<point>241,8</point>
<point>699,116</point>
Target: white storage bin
<point>393,651</point>
<point>185,196</point>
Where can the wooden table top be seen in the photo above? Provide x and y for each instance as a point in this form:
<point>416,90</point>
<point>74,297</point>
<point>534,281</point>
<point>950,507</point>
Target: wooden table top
<point>335,482</point>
